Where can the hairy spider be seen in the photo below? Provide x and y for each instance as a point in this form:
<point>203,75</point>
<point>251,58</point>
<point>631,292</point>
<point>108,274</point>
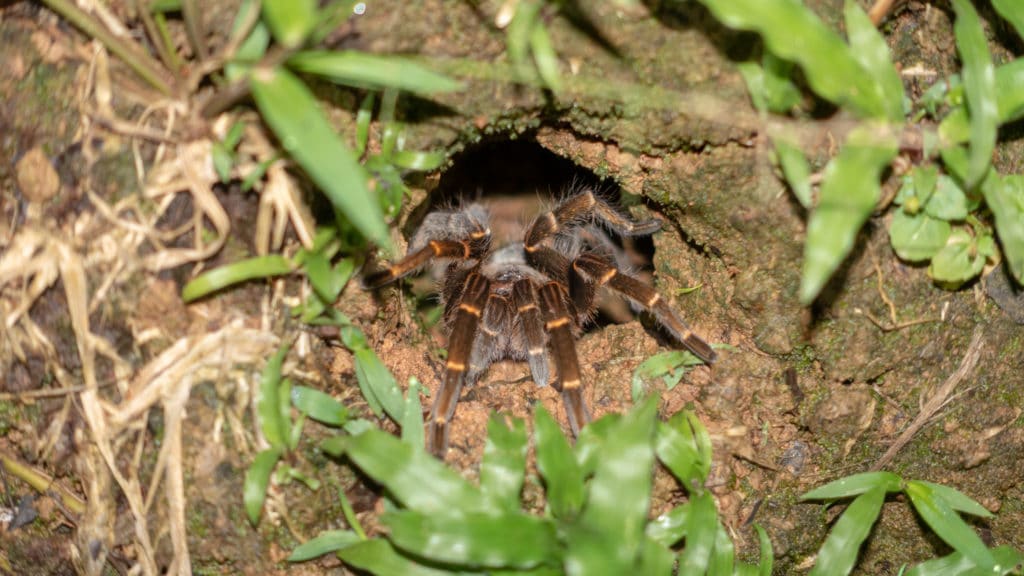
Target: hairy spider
<point>527,298</point>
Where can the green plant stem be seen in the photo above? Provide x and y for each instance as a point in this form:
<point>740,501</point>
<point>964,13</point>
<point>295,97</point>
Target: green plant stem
<point>42,482</point>
<point>194,27</point>
<point>144,66</point>
<point>350,515</point>
<point>156,29</point>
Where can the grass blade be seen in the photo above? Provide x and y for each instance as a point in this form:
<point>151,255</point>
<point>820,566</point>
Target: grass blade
<point>268,405</point>
<point>417,480</point>
<point>848,195</point>
<point>324,543</point>
<point>504,464</point>
<point>509,540</point>
<point>957,500</point>
<point>563,479</point>
<point>840,550</point>
<point>290,20</point>
<point>319,406</point>
<point>235,273</point>
<point>1007,560</point>
<point>941,518</point>
<point>373,71</point>
<point>855,485</point>
<point>257,478</point>
<point>979,78</point>
<point>305,132</point>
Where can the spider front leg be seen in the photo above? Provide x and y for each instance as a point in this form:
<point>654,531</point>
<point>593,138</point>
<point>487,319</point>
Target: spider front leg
<point>559,323</point>
<point>590,271</point>
<point>460,349</point>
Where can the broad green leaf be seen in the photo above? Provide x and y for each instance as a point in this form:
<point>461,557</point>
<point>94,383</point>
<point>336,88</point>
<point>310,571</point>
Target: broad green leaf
<point>417,480</point>
<point>273,421</point>
<point>926,180</point>
<point>1010,90</point>
<point>956,499</point>
<point>319,406</point>
<point>839,552</point>
<point>848,194</point>
<point>373,71</point>
<point>590,443</point>
<point>770,85</point>
<point>474,540</point>
<point>504,464</point>
<point>1005,197</point>
<point>919,237</point>
<point>412,420</point>
<point>655,559</point>
<point>305,132</point>
<point>854,485</point>
<point>979,78</point>
<point>724,555</point>
<point>764,565</point>
<point>956,564</point>
<point>1013,12</point>
<point>544,56</point>
<point>619,492</point>
<point>257,477</point>
<point>941,518</point>
<point>326,281</point>
<point>375,378</point>
<point>792,31</point>
<point>671,366</point>
<point>701,526</point>
<point>679,447</point>
<point>379,558</point>
<point>290,20</point>
<point>869,48</point>
<point>593,553</point>
<point>324,543</point>
<point>796,170</point>
<point>958,261</point>
<point>235,273</point>
<point>670,527</point>
<point>949,202</point>
<point>563,479</point>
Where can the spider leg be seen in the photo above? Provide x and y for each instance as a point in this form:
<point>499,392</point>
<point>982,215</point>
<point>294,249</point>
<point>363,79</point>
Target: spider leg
<point>524,298</point>
<point>578,209</point>
<point>460,348</point>
<point>435,249</point>
<point>493,328</point>
<point>602,273</point>
<point>558,323</point>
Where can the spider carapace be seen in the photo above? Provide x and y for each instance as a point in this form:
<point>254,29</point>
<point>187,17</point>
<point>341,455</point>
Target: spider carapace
<point>528,300</point>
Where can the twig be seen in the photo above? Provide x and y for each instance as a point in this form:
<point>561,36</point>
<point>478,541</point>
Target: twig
<point>879,10</point>
<point>937,400</point>
<point>42,482</point>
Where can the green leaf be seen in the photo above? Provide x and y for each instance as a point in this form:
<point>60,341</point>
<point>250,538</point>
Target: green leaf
<point>767,555</point>
<point>418,161</point>
<point>417,480</point>
<point>941,518</point>
<point>544,56</point>
<point>372,71</point>
<point>268,405</point>
<point>848,194</point>
<point>305,132</point>
<point>979,78</point>
<point>724,555</point>
<point>412,421</point>
<point>956,499</point>
<point>792,31</point>
<point>948,202</point>
<point>319,406</point>
<point>326,281</point>
<point>619,492</point>
<point>375,379</point>
<point>250,50</point>
<point>474,540</point>
<point>1013,12</point>
<point>290,20</point>
<point>958,261</point>
<point>1010,90</point>
<point>1007,560</point>
<point>770,85</point>
<point>670,527</point>
<point>590,443</point>
<point>670,365</point>
<point>919,237</point>
<point>378,557</point>
<point>656,559</point>
<point>235,273</point>
<point>325,542</point>
<point>854,485</point>
<point>839,552</point>
<point>796,170</point>
<point>1005,197</point>
<point>504,464</point>
<point>869,48</point>
<point>257,477</point>
<point>701,526</point>
<point>684,447</point>
<point>563,478</point>
<point>517,37</point>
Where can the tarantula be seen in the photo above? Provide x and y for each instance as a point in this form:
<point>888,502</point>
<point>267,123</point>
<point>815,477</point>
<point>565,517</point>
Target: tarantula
<point>528,297</point>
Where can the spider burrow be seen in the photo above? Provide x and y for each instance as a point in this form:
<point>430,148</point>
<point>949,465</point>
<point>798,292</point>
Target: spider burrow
<point>528,299</point>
